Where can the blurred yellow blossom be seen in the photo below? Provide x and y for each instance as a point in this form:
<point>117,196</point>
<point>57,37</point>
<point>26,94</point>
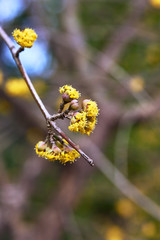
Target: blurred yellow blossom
<point>25,38</point>
<point>125,207</point>
<point>136,84</point>
<point>17,87</point>
<point>114,233</point>
<point>149,229</point>
<point>155,3</point>
<point>1,77</point>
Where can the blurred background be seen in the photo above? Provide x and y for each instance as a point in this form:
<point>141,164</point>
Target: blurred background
<point>109,50</point>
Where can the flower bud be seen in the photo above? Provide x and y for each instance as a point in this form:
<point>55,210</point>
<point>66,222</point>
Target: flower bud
<point>48,150</point>
<point>74,104</point>
<point>56,149</point>
<point>66,98</point>
<point>84,103</point>
<point>41,146</point>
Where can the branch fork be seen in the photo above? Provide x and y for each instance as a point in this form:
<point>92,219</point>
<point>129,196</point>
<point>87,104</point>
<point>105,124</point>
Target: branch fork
<point>54,129</point>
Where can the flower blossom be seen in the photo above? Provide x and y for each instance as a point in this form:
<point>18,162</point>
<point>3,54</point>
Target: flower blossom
<point>69,93</point>
<point>25,38</point>
<point>90,107</point>
<point>63,153</point>
<point>80,122</point>
<point>85,120</point>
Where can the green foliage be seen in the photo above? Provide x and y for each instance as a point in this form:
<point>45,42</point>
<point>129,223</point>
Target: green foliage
<point>14,157</point>
<point>99,20</point>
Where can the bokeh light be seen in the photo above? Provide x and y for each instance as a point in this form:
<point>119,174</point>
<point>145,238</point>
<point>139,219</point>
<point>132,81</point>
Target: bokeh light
<point>9,9</point>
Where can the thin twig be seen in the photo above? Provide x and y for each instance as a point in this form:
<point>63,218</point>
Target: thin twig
<point>63,135</point>
<point>36,97</point>
<point>13,50</point>
<point>21,49</point>
<point>59,115</point>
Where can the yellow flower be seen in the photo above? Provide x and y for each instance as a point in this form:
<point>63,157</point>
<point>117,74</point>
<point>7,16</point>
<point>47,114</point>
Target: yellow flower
<point>63,154</point>
<point>90,107</point>
<point>70,91</point>
<point>81,123</point>
<point>17,87</point>
<point>125,208</point>
<point>25,38</point>
<point>90,125</point>
<point>85,121</point>
<point>78,122</point>
<point>69,156</point>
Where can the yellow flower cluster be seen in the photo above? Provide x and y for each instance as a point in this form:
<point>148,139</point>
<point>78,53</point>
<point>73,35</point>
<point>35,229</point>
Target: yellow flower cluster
<point>90,107</point>
<point>85,121</point>
<point>70,91</point>
<point>17,87</point>
<point>78,122</point>
<point>25,38</point>
<point>62,153</point>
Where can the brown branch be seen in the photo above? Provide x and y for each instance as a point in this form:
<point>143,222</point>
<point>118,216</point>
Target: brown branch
<point>124,185</point>
<point>36,96</point>
<point>24,73</point>
<point>142,112</point>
